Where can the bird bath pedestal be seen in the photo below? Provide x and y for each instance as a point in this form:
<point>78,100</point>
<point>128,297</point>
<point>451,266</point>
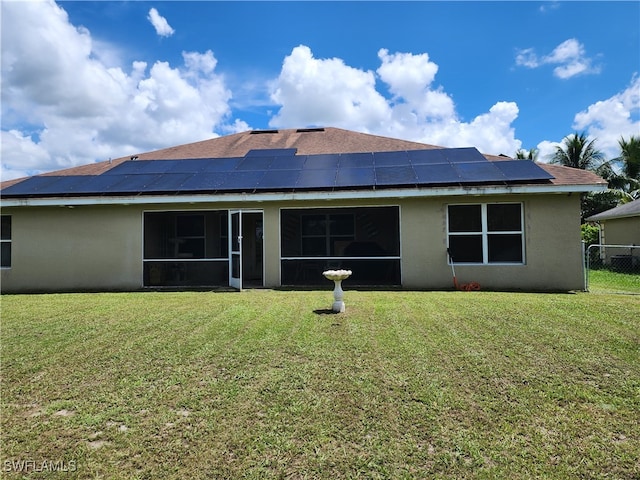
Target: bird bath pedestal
<point>337,276</point>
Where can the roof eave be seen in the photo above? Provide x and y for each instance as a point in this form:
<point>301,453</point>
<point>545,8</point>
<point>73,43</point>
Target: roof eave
<point>307,195</point>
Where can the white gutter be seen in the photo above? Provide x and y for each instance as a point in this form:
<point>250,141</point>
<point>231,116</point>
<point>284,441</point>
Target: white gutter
<point>292,196</point>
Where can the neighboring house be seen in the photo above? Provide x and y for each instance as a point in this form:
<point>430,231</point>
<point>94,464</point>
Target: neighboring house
<point>620,226</point>
<point>276,208</point>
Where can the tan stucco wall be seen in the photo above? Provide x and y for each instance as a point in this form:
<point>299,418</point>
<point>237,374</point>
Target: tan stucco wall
<point>553,259</point>
<point>100,248</point>
<point>81,248</point>
<point>621,231</point>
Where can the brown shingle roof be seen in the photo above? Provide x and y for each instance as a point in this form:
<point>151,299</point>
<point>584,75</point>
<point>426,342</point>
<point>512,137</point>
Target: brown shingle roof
<point>307,142</point>
<point>572,176</point>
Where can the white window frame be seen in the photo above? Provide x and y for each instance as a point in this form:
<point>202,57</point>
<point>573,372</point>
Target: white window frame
<point>485,233</point>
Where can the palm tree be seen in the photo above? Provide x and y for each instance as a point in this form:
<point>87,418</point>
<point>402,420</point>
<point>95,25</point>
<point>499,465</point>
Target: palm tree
<point>531,154</point>
<point>630,157</point>
<point>623,172</point>
<point>578,151</point>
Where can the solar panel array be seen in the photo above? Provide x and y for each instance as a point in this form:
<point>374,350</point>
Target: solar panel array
<point>283,170</point>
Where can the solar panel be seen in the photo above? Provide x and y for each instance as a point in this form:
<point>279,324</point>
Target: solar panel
<point>283,170</point>
<point>150,166</point>
<point>255,163</point>
<point>321,162</point>
<point>401,175</point>
<point>436,174</point>
<point>125,168</point>
<point>474,172</point>
<point>272,152</point>
<point>317,179</point>
<point>133,183</point>
<point>205,182</point>
<point>519,170</point>
<point>466,155</point>
<point>288,163</point>
<point>427,157</point>
<point>245,181</point>
<point>169,182</point>
<point>355,177</point>
<point>193,165</point>
<point>29,186</point>
<point>356,160</point>
<point>221,165</point>
<point>279,179</point>
<point>390,159</point>
<point>62,185</point>
<point>97,184</point>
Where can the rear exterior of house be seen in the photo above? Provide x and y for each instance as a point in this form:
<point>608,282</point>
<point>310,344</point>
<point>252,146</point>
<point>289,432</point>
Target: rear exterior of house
<point>511,234</point>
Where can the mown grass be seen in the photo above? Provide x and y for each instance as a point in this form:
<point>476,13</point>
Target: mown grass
<point>608,281</point>
<point>257,385</point>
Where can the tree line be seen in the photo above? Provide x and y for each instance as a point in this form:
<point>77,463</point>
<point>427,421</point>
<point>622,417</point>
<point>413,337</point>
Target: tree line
<point>622,173</point>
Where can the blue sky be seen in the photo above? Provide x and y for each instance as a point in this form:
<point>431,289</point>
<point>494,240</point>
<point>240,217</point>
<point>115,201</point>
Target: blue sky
<point>87,81</point>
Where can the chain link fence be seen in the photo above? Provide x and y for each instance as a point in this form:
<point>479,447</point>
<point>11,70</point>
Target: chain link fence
<point>612,268</point>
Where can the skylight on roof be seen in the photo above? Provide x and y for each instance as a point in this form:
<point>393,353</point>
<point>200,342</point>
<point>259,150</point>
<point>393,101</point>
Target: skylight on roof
<point>309,130</point>
<point>260,132</point>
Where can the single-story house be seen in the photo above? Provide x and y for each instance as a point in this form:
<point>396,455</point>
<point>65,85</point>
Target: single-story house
<point>275,208</point>
<point>620,226</point>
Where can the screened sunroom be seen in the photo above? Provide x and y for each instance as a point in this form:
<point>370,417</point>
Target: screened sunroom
<point>365,240</point>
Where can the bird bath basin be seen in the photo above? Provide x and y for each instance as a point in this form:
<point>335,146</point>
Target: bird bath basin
<point>337,276</point>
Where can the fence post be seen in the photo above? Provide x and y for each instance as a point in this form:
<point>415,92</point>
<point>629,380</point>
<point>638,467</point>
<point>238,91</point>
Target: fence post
<point>585,286</point>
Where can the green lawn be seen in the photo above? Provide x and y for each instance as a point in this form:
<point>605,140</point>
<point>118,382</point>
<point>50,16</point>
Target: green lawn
<point>258,385</point>
<point>607,281</point>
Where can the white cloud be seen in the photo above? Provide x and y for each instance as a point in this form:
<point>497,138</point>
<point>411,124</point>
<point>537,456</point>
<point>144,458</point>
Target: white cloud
<point>570,57</point>
<point>313,91</point>
<point>160,23</point>
<point>605,121</point>
<point>610,119</point>
<point>546,149</point>
<point>548,7</point>
<point>80,109</point>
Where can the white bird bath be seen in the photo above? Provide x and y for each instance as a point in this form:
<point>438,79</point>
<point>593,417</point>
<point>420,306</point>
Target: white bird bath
<point>337,276</point>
